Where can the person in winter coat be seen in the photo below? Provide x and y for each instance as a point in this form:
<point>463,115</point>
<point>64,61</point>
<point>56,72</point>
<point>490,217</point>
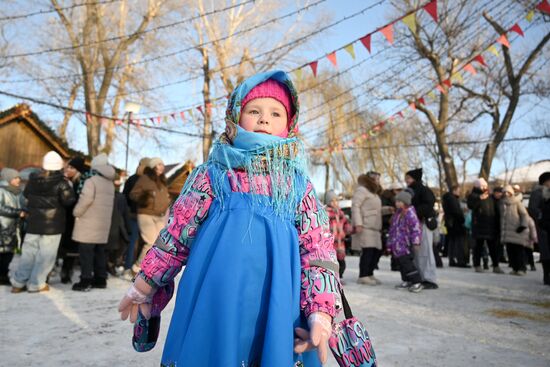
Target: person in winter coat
<point>456,232</point>
<point>404,239</point>
<point>539,201</point>
<point>256,242</point>
<point>11,210</point>
<point>485,224</point>
<point>366,215</point>
<point>423,201</point>
<point>119,234</point>
<point>339,227</point>
<point>130,257</point>
<point>48,195</point>
<point>68,248</point>
<point>153,199</point>
<point>514,229</point>
<point>93,213</point>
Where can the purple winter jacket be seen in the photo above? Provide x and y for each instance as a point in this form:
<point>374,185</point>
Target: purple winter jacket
<point>405,231</point>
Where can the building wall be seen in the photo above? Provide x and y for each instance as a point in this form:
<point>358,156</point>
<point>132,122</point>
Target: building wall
<point>20,146</point>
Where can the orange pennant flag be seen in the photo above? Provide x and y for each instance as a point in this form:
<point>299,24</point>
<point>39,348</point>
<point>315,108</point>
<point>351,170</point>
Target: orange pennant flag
<point>332,58</point>
<point>182,114</point>
<point>387,31</point>
<point>469,68</point>
<point>440,88</point>
<point>503,41</point>
<point>412,106</point>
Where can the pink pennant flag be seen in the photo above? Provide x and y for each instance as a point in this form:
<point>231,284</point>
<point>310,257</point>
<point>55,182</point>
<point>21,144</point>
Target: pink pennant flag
<point>544,7</point>
<point>332,58</point>
<point>412,106</point>
<point>118,122</point>
<point>516,28</point>
<point>400,114</point>
<point>88,117</point>
<point>182,114</point>
<point>138,123</point>
<point>387,31</point>
<point>431,8</point>
<point>503,40</point>
<point>440,88</point>
<point>480,59</point>
<point>469,68</point>
<point>313,66</point>
<point>366,42</point>
<point>158,120</point>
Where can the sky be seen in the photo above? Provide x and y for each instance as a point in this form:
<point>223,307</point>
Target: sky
<point>530,116</point>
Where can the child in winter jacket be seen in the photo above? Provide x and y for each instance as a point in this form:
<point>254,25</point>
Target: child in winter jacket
<point>404,238</point>
<point>11,202</point>
<point>261,280</point>
<point>339,227</point>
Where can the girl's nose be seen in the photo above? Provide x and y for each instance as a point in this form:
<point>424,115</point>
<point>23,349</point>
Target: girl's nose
<point>263,120</point>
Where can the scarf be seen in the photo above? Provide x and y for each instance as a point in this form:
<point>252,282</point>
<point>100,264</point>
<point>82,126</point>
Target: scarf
<point>14,190</point>
<point>86,175</point>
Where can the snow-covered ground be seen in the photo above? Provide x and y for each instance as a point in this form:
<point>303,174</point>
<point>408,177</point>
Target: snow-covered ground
<point>472,320</point>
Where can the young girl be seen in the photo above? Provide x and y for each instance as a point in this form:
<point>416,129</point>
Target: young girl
<point>259,256</point>
<point>339,227</point>
<point>404,237</point>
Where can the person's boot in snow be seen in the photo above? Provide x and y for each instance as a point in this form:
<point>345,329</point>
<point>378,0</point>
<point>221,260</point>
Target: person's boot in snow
<point>478,269</point>
<point>497,270</point>
<point>98,282</point>
<point>84,285</point>
<point>415,288</point>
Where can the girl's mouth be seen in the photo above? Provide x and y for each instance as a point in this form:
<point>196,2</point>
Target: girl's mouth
<point>262,132</point>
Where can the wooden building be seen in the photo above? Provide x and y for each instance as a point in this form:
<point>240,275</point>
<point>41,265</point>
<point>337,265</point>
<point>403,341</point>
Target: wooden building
<point>176,175</point>
<point>25,139</point>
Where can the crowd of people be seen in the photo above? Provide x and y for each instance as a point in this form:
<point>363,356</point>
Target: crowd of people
<point>404,222</point>
<point>68,212</point>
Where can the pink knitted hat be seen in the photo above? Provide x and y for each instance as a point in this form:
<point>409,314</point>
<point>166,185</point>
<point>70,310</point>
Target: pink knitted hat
<point>271,89</point>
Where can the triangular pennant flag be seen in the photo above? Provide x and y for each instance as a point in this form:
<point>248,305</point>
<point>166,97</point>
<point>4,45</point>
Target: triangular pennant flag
<point>313,66</point>
<point>366,42</point>
<point>432,95</point>
<point>199,108</point>
<point>440,88</point>
<point>118,122</point>
<point>152,120</point>
<point>412,106</point>
<point>447,82</point>
<point>158,120</point>
<point>138,123</point>
<point>457,77</point>
<point>332,58</point>
<point>544,7</point>
<point>503,40</point>
<point>516,28</point>
<point>190,113</point>
<point>421,100</point>
<point>209,108</point>
<point>480,59</point>
<point>298,73</point>
<point>410,21</point>
<point>431,8</point>
<point>350,50</point>
<point>492,49</point>
<point>400,114</point>
<point>469,68</point>
<point>165,119</point>
<point>182,114</point>
<point>387,31</point>
<point>530,16</point>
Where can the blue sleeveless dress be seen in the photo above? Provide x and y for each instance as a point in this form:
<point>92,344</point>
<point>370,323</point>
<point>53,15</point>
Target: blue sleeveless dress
<point>238,300</point>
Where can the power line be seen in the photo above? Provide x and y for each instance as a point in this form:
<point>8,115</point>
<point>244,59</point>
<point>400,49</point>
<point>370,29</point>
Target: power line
<point>116,38</point>
<point>53,10</point>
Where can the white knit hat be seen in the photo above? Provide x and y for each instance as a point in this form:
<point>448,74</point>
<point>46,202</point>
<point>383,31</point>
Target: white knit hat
<point>154,161</point>
<point>52,161</point>
<point>100,160</point>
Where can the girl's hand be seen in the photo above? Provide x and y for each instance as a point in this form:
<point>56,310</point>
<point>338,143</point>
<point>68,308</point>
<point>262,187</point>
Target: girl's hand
<point>320,325</point>
<point>138,297</point>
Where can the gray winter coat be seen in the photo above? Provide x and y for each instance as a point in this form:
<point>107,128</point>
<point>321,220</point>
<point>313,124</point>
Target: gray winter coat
<point>10,207</point>
<point>512,216</point>
<point>94,209</point>
<point>366,211</point>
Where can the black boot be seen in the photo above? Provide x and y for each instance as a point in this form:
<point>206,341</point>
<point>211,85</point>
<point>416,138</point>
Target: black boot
<point>85,285</point>
<point>98,282</point>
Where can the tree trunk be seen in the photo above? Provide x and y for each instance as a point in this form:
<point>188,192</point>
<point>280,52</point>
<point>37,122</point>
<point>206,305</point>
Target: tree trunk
<point>207,112</point>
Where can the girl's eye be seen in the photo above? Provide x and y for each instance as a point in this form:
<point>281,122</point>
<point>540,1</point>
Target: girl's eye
<point>276,114</point>
<point>253,112</point>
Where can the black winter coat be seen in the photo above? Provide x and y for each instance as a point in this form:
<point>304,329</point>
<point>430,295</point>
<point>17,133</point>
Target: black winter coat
<point>48,196</point>
<point>423,201</point>
<point>128,186</point>
<point>454,216</point>
<point>485,216</point>
<point>119,235</point>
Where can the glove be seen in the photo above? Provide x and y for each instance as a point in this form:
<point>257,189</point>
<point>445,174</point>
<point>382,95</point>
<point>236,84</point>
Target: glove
<point>521,229</point>
<point>320,326</point>
<point>138,297</point>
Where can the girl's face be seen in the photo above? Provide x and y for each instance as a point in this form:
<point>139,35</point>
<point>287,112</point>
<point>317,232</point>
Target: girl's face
<point>159,169</point>
<point>265,116</point>
<point>70,171</point>
<point>15,182</point>
<point>334,203</point>
<point>399,204</point>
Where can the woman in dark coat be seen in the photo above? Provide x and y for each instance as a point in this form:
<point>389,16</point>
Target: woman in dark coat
<point>456,232</point>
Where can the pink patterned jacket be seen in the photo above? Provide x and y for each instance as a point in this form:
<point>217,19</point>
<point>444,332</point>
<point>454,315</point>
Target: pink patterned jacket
<point>319,277</point>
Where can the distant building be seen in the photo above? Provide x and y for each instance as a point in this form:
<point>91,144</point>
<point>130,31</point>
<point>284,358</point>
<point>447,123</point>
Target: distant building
<point>176,175</point>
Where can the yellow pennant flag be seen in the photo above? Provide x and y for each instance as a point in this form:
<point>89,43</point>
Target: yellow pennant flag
<point>457,77</point>
<point>530,15</point>
<point>410,21</point>
<point>432,95</point>
<point>492,49</point>
<point>350,50</point>
<point>298,74</point>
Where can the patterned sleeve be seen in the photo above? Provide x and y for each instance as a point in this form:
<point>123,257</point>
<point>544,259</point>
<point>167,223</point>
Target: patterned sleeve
<point>320,287</point>
<point>414,227</point>
<point>172,247</point>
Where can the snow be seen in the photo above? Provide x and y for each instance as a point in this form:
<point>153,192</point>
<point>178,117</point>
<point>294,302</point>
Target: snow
<point>529,173</point>
<point>455,325</point>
